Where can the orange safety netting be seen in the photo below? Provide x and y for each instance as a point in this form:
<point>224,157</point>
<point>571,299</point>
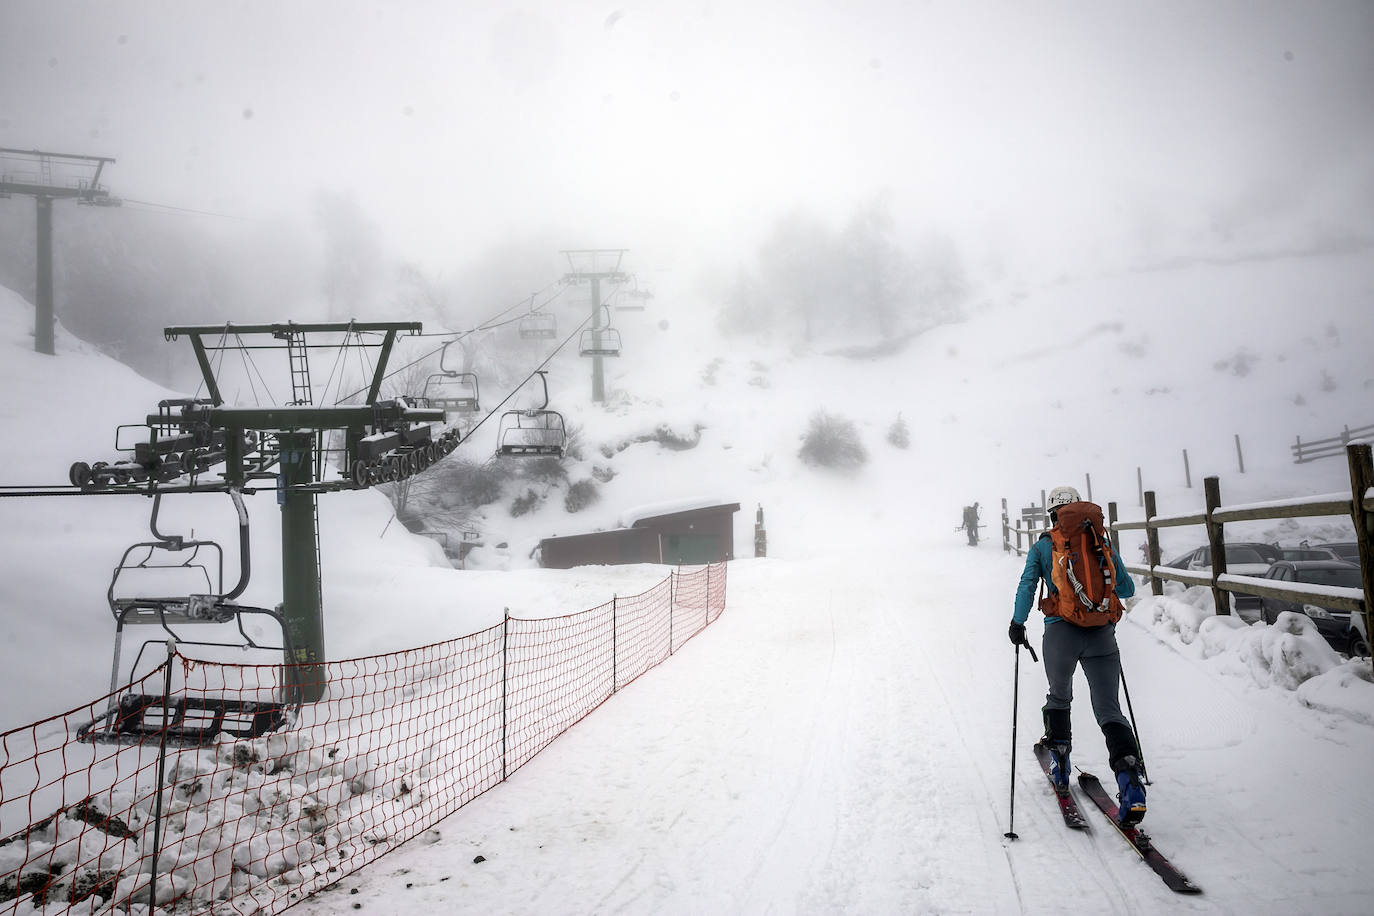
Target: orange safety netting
<point>289,798</point>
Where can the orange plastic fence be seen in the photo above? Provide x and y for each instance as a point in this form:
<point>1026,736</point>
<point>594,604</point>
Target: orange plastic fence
<point>256,823</point>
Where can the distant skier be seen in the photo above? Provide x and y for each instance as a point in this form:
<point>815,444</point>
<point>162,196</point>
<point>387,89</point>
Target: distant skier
<point>1086,579</point>
<point>970,524</point>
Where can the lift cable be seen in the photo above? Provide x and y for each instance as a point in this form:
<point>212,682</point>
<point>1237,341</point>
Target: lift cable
<point>455,336</point>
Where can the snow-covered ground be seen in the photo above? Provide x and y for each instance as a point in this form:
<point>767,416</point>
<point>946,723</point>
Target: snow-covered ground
<point>840,739</point>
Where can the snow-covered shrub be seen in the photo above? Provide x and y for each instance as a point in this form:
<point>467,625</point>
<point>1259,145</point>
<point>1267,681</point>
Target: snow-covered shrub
<point>898,435</point>
<point>545,471</point>
<point>581,495</point>
<point>524,503</point>
<point>833,442</point>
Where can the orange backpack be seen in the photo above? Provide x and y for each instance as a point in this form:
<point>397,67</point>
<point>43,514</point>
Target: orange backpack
<point>1082,572</point>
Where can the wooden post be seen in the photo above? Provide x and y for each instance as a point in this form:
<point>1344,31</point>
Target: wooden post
<point>1187,472</point>
<point>1089,479</point>
<point>1152,540</point>
<point>1111,527</point>
<point>1361,479</point>
<point>1140,484</point>
<point>1006,533</point>
<point>1216,539</point>
<point>1240,456</point>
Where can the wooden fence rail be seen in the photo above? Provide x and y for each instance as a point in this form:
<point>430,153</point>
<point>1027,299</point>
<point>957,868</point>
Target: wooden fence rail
<point>1358,505</point>
<point>1314,449</point>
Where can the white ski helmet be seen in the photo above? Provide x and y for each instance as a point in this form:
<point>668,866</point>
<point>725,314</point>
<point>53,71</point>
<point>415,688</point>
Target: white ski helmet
<point>1061,496</point>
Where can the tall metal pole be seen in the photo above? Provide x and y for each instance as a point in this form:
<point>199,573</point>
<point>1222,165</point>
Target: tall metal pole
<point>43,332</point>
<point>300,569</point>
<point>598,379</point>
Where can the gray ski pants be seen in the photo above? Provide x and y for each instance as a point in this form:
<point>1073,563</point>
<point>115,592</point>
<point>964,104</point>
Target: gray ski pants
<point>1065,647</point>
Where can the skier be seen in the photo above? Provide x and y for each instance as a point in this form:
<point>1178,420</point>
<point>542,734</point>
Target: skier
<point>970,524</point>
<point>1065,646</point>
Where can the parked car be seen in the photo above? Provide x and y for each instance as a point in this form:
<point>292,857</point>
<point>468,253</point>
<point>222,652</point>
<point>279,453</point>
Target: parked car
<point>1243,558</point>
<point>1309,553</point>
<point>1356,639</point>
<point>1348,551</point>
<point>1334,624</point>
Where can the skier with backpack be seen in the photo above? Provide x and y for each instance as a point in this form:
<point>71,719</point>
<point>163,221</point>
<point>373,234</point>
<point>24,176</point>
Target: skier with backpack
<point>970,524</point>
<point>1086,581</point>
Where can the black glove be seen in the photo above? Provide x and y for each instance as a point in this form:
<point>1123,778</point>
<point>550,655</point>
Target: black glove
<point>1016,632</point>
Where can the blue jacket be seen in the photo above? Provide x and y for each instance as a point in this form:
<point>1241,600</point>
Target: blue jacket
<point>1038,567</point>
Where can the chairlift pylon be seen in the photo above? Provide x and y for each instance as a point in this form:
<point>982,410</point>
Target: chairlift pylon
<point>532,432</point>
<point>188,720</point>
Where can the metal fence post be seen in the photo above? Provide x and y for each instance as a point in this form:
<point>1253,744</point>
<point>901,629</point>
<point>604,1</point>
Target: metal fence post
<point>1361,479</point>
<point>1089,479</point>
<point>161,772</point>
<point>505,685</point>
<point>1216,539</point>
<point>1187,471</point>
<point>1152,540</point>
<point>1140,485</point>
<point>615,642</point>
<point>1240,456</point>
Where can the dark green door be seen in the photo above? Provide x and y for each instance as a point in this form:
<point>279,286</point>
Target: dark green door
<point>691,549</point>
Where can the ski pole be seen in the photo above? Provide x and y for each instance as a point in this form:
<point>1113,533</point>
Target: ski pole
<point>1015,698</point>
<point>1140,753</point>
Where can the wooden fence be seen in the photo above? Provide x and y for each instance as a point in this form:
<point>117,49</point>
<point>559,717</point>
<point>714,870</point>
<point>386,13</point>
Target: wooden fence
<point>1358,505</point>
<point>1314,449</point>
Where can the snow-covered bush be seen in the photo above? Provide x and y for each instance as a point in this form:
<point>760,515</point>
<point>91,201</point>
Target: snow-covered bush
<point>524,503</point>
<point>898,435</point>
<point>581,495</point>
<point>833,442</point>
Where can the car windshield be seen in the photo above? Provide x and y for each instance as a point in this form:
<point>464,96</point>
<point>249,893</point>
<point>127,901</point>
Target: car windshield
<point>1345,578</point>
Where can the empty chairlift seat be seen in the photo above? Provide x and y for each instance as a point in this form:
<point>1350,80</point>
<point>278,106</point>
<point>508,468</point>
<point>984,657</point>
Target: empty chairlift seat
<point>599,342</point>
<point>538,326</point>
<point>453,392</point>
<point>538,433</point>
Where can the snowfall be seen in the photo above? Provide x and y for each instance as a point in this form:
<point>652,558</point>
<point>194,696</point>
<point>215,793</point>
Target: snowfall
<point>841,738</point>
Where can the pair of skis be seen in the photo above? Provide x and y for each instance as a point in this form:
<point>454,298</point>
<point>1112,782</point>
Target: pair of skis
<point>1140,842</point>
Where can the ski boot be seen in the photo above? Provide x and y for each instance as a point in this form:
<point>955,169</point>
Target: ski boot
<point>1131,797</point>
<point>1059,764</point>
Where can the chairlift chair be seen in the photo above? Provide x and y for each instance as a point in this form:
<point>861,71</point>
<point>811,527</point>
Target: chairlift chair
<point>450,390</point>
<point>602,340</point>
<point>532,432</point>
<point>633,300</point>
<point>539,326</point>
<point>188,720</point>
<point>599,342</point>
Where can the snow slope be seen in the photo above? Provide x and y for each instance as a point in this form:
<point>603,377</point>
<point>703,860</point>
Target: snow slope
<point>840,739</point>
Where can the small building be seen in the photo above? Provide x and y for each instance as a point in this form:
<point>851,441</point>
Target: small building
<point>682,533</point>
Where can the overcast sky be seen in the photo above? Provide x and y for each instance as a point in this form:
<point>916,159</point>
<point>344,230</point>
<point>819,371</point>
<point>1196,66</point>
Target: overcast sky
<point>696,124</point>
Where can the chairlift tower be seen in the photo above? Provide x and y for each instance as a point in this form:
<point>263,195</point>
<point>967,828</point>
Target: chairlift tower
<point>46,177</point>
<point>593,265</point>
<point>286,448</point>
